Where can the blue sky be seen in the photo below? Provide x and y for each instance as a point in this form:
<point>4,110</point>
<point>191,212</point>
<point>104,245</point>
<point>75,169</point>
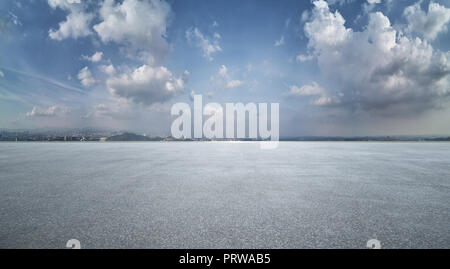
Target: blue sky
<point>374,67</point>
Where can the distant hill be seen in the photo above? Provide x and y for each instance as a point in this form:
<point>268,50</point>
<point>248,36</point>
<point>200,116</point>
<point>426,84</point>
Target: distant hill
<point>128,137</point>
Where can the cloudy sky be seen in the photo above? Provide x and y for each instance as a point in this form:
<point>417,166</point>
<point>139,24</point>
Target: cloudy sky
<point>337,67</point>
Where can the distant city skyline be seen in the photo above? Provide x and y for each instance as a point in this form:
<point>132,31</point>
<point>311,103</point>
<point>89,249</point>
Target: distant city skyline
<point>337,67</point>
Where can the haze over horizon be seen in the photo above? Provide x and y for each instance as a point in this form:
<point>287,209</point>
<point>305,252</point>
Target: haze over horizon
<point>337,67</point>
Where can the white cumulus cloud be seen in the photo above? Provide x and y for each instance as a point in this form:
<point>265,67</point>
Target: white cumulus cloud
<point>140,26</point>
<point>223,79</point>
<point>321,97</point>
<point>304,58</point>
<point>378,68</point>
<point>96,57</point>
<point>108,69</point>
<point>427,24</point>
<point>306,90</point>
<point>147,85</point>
<point>86,78</point>
<point>77,21</point>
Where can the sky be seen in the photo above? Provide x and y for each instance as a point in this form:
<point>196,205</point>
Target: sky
<point>336,67</point>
